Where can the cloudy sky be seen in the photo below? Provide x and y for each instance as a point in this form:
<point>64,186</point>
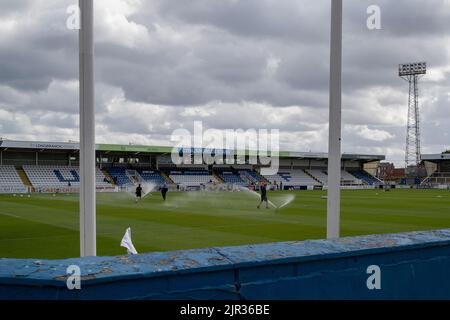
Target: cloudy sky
<point>233,64</point>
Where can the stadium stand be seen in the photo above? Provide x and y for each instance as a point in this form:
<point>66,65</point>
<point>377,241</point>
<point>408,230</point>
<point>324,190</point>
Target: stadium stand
<point>228,175</point>
<point>366,177</point>
<point>294,177</point>
<point>250,176</point>
<point>119,175</point>
<point>9,177</point>
<point>59,176</point>
<point>319,175</point>
<point>150,175</point>
<point>438,178</point>
<point>348,179</point>
<point>101,179</point>
<point>55,164</point>
<point>191,177</point>
<point>62,176</point>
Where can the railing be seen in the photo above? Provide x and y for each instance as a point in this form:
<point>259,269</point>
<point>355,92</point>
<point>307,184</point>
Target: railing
<point>134,176</point>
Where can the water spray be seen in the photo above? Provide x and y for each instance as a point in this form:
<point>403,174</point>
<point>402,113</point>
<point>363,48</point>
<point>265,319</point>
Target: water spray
<point>147,189</point>
<point>288,199</point>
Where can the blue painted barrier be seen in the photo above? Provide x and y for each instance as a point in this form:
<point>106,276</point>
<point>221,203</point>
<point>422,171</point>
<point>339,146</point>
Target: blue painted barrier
<point>413,265</point>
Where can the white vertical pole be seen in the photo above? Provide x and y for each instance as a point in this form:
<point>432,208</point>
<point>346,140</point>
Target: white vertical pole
<point>87,132</point>
<point>334,141</point>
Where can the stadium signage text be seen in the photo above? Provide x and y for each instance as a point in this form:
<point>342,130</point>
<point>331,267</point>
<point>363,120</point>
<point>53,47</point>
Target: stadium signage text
<point>40,145</point>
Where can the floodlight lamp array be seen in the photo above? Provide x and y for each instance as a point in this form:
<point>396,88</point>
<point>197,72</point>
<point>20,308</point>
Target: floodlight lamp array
<point>410,69</point>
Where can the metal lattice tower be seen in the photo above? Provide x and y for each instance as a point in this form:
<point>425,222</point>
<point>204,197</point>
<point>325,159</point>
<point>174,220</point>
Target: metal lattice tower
<point>412,72</point>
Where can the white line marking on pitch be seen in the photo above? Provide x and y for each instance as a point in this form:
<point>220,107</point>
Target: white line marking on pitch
<point>11,215</point>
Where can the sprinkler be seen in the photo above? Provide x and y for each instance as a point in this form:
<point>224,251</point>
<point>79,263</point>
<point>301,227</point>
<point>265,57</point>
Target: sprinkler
<point>287,198</point>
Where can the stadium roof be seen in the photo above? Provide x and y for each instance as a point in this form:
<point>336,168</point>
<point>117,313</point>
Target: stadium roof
<point>435,157</point>
<point>67,146</point>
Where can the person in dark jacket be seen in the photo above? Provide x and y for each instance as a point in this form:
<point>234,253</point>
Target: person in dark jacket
<point>263,190</point>
<point>164,190</point>
<point>138,193</point>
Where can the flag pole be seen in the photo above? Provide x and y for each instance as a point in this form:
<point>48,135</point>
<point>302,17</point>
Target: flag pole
<point>87,131</point>
<point>334,140</point>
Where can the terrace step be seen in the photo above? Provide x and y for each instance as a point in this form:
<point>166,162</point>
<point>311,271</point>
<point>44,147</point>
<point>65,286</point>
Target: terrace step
<point>310,175</point>
<point>23,176</point>
<point>167,178</point>
<point>218,178</point>
<point>108,176</point>
<point>261,177</point>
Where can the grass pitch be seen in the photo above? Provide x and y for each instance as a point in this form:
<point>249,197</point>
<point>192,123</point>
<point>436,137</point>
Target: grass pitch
<point>46,226</point>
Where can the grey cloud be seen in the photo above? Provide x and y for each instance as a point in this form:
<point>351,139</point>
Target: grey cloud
<point>220,54</point>
<point>255,18</point>
<point>10,7</point>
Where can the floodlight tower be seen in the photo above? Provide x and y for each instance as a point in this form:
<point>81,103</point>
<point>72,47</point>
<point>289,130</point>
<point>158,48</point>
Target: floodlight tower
<point>412,72</point>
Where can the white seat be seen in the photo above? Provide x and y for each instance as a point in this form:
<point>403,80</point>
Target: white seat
<point>192,180</point>
<point>9,177</point>
<point>319,175</point>
<point>295,177</point>
<point>45,176</point>
<point>346,177</point>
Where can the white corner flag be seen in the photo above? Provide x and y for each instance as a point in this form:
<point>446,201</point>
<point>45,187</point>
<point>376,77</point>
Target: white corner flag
<point>127,243</point>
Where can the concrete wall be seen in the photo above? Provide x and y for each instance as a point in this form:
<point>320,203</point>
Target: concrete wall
<point>412,265</point>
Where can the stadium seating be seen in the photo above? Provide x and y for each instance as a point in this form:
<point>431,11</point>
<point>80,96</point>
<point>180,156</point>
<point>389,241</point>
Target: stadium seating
<point>9,177</point>
<point>318,174</point>
<point>63,176</point>
<point>58,176</point>
<point>228,175</point>
<point>191,178</point>
<point>152,176</point>
<point>251,176</point>
<point>438,178</point>
<point>119,175</point>
<point>347,178</point>
<point>366,177</point>
<point>100,179</point>
<point>293,178</point>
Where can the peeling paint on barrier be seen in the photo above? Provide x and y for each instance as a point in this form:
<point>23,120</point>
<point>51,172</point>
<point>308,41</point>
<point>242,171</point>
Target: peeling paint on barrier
<point>413,266</point>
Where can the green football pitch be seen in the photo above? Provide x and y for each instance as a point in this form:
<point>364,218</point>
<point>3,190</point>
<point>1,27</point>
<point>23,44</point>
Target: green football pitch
<point>46,226</point>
